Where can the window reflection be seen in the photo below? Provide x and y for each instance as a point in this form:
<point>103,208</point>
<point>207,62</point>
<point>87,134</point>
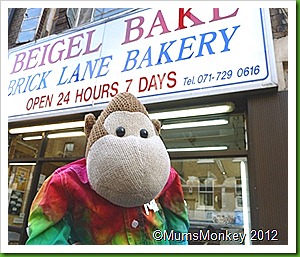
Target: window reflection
<point>19,183</point>
<point>101,13</point>
<point>47,169</point>
<point>92,14</point>
<point>22,148</point>
<point>213,193</point>
<point>66,147</point>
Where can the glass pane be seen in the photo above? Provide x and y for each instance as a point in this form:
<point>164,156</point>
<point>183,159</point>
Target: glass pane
<point>26,36</point>
<point>66,147</point>
<point>230,134</point>
<point>216,194</point>
<point>19,183</point>
<point>85,16</point>
<point>30,24</point>
<point>47,169</point>
<point>101,13</point>
<point>33,12</point>
<point>71,15</point>
<point>20,147</point>
<point>13,238</point>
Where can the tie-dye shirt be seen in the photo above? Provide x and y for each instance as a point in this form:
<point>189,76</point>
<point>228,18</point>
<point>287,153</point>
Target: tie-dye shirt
<point>66,210</point>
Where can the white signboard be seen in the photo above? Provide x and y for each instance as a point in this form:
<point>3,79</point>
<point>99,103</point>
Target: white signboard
<point>156,54</point>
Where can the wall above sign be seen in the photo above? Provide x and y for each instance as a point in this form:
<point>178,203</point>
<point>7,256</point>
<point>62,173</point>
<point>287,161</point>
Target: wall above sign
<point>156,54</point>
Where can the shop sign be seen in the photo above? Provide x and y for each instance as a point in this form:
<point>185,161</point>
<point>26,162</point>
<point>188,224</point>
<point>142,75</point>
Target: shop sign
<point>156,54</point>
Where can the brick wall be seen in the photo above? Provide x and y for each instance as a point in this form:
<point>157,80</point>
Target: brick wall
<point>15,27</point>
<point>279,21</point>
<point>60,22</point>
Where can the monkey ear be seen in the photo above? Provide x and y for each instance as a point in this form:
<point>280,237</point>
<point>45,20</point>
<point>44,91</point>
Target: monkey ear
<point>157,125</point>
<point>89,120</point>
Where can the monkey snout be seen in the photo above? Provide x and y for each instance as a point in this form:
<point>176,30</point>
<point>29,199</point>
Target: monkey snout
<point>129,166</point>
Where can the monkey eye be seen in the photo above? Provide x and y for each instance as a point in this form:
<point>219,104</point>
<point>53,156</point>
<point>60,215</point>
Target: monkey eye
<point>143,133</point>
<point>120,131</point>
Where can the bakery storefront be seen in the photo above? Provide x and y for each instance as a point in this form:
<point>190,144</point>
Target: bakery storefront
<point>197,72</point>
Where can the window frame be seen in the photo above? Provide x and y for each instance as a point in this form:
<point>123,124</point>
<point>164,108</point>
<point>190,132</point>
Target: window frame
<point>74,22</point>
<point>22,30</point>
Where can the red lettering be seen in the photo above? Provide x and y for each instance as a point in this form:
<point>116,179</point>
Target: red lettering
<point>157,82</point>
<point>189,15</point>
<point>142,89</point>
<point>36,101</point>
<point>42,101</point>
<point>29,104</point>
<point>114,88</point>
<point>105,89</point>
<point>79,95</point>
<point>172,79</point>
<point>152,83</point>
<point>88,94</point>
<point>161,80</point>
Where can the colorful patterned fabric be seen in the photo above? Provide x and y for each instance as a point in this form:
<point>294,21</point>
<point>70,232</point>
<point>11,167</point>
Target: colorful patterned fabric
<point>66,210</point>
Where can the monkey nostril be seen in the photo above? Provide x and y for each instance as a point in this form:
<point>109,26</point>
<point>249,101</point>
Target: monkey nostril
<point>120,131</point>
<point>143,133</point>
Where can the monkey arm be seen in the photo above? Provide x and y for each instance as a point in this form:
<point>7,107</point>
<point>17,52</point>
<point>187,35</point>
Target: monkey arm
<point>46,223</point>
<point>172,202</point>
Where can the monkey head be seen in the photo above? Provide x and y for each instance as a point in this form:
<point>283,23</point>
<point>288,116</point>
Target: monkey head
<point>127,162</point>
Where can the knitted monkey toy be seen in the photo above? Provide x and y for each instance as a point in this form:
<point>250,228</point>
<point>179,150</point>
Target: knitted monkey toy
<point>123,192</point>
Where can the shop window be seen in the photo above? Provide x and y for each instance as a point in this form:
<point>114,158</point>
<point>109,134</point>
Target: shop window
<point>80,16</point>
<point>24,146</point>
<point>101,13</point>
<point>29,25</point>
<point>216,194</point>
<point>72,16</point>
<point>217,133</point>
<point>19,183</point>
<point>66,146</point>
<point>47,169</point>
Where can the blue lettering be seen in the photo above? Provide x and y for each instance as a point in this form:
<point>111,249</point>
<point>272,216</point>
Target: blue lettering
<point>164,52</point>
<point>43,80</point>
<point>182,47</point>
<point>130,58</point>
<point>226,39</point>
<point>105,65</point>
<point>31,89</point>
<point>91,70</point>
<point>27,84</point>
<point>202,43</point>
<point>19,84</point>
<point>11,86</point>
<point>62,74</point>
<point>75,74</point>
<point>147,57</point>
